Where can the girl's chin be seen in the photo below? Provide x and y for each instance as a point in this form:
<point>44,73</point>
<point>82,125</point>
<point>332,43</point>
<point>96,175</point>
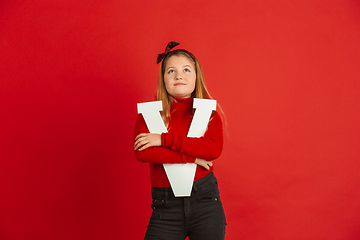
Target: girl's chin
<point>181,95</point>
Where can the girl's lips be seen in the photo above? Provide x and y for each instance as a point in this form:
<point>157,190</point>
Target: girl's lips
<point>179,84</point>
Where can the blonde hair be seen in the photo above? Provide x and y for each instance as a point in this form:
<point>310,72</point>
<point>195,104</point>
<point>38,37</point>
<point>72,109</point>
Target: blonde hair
<point>200,90</point>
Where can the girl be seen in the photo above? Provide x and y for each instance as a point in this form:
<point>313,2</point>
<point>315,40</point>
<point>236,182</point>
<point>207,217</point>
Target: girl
<point>200,216</point>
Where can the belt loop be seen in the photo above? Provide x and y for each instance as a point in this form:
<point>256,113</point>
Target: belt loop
<point>195,186</point>
<point>163,202</point>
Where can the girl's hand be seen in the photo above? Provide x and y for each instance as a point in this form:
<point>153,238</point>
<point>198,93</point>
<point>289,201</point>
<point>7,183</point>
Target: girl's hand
<point>205,164</point>
<point>146,140</point>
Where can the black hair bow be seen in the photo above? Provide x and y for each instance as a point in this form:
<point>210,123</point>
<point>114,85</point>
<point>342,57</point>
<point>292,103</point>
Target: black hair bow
<point>163,55</point>
<point>168,48</point>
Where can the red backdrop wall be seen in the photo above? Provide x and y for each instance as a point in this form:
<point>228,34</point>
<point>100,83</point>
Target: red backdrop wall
<point>286,74</point>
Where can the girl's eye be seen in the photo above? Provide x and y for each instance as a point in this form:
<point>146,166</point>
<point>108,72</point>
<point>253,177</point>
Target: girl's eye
<point>186,70</point>
<point>170,71</point>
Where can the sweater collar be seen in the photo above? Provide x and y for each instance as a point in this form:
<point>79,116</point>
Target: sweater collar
<point>182,103</point>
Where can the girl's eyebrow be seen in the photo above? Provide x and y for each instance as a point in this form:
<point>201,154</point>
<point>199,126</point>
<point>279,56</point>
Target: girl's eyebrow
<point>174,67</point>
<point>168,68</point>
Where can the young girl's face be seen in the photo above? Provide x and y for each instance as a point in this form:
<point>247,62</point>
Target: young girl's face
<point>179,76</point>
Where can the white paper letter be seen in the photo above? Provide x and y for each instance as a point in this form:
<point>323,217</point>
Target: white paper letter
<point>181,176</point>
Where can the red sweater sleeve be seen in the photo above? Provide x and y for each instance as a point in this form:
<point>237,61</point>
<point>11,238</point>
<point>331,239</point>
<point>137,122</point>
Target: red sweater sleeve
<point>157,154</point>
<point>208,147</point>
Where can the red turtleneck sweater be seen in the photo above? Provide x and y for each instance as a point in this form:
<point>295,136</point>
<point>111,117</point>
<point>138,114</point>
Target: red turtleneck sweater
<point>176,146</point>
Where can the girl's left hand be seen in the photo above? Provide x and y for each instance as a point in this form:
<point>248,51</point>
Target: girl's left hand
<point>146,140</point>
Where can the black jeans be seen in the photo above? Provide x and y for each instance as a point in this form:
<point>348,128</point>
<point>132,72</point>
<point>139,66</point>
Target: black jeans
<point>200,216</point>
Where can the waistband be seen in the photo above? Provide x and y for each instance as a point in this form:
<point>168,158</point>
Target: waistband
<point>167,191</point>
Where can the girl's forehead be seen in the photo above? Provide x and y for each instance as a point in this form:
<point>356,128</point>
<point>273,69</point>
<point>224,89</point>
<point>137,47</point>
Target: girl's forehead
<point>178,61</point>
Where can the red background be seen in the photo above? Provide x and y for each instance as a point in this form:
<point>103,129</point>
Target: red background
<point>286,73</point>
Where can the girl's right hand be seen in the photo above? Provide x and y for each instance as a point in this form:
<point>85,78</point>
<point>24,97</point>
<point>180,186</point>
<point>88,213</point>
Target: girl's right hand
<point>205,164</point>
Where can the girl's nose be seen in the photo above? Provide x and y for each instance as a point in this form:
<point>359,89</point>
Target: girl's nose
<point>178,76</point>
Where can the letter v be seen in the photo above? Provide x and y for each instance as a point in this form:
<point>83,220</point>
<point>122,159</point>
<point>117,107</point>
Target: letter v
<point>181,176</point>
